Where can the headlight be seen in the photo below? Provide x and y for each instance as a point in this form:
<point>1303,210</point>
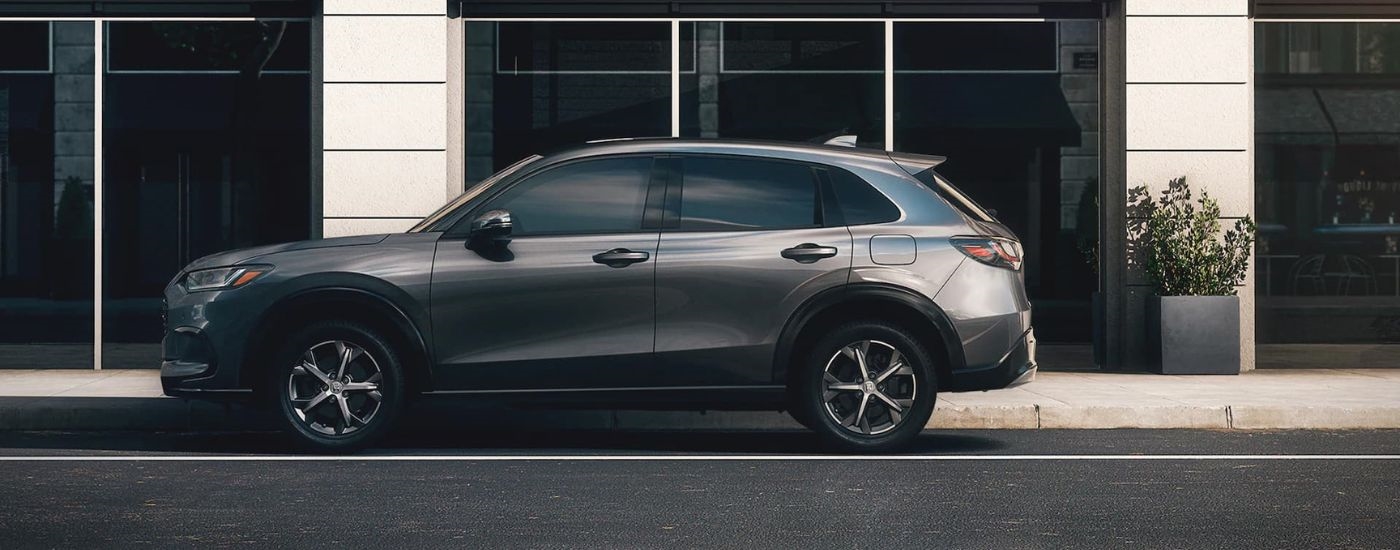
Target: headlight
<point>223,277</point>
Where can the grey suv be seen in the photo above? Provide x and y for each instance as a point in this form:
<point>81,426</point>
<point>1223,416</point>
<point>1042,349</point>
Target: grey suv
<point>844,285</point>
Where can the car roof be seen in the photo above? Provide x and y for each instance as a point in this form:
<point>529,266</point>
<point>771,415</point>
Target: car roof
<point>778,149</point>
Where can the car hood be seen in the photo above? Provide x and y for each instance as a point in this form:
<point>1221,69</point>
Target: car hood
<point>232,257</point>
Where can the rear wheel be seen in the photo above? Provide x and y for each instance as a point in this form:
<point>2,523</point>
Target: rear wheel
<point>338,386</point>
<point>867,387</point>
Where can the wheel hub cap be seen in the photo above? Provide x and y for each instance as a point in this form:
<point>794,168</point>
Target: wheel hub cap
<point>334,390</point>
<point>868,387</point>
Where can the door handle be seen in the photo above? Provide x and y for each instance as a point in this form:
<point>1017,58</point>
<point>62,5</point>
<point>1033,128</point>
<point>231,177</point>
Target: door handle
<point>807,253</point>
<point>620,257</point>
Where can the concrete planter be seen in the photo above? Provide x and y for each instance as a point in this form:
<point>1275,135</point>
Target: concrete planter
<point>1194,334</point>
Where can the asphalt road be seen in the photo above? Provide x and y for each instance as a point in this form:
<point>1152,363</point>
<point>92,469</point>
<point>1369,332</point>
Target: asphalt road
<point>992,489</point>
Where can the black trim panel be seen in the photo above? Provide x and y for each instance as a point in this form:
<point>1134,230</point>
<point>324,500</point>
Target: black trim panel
<point>1323,9</point>
<point>157,8</point>
<point>1054,9</point>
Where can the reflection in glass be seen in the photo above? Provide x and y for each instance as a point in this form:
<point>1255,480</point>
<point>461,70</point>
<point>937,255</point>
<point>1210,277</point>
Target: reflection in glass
<point>794,81</point>
<point>1327,183</point>
<point>598,196</point>
<point>207,148</point>
<point>537,86</point>
<point>725,194</point>
<point>46,210</point>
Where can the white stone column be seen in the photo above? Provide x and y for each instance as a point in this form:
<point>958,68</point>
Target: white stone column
<point>384,115</point>
<point>1189,111</point>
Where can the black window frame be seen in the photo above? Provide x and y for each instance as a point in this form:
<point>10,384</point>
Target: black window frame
<point>827,211</point>
<point>651,209</point>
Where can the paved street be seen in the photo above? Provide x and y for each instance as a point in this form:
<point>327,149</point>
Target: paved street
<point>978,489</point>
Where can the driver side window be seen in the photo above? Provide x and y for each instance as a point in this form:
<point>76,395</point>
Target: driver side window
<point>592,196</point>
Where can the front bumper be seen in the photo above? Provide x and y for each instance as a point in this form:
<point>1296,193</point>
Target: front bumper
<point>1016,368</point>
<point>204,340</point>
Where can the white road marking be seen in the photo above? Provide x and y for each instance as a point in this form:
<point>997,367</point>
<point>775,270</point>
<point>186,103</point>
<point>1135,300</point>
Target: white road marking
<point>670,458</point>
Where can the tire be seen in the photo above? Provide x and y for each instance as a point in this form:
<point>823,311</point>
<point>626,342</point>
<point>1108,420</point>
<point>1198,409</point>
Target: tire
<point>313,408</point>
<point>911,385</point>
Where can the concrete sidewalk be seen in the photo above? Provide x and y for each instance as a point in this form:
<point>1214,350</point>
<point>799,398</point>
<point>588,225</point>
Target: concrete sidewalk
<point>1271,399</point>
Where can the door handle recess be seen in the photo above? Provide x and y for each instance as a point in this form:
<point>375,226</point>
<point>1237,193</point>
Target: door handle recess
<point>807,253</point>
<point>620,257</point>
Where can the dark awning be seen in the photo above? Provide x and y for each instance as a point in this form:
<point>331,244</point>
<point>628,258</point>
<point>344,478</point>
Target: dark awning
<point>1026,108</point>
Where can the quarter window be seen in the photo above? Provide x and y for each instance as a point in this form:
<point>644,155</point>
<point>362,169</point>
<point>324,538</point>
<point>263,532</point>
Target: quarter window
<point>593,196</point>
<point>723,194</point>
<point>860,203</point>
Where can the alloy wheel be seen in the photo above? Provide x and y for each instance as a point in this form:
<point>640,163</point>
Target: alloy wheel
<point>868,387</point>
<point>335,389</point>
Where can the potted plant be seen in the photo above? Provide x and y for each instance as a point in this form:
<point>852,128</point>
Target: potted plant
<point>1193,266</point>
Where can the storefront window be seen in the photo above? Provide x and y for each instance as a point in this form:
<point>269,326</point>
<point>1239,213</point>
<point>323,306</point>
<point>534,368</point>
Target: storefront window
<point>537,86</point>
<point>206,147</point>
<point>1327,182</point>
<point>1015,108</point>
<point>795,81</point>
<point>46,210</point>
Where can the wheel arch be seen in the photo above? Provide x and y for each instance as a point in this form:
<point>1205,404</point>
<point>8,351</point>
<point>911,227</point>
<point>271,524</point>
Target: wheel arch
<point>351,303</point>
<point>929,323</point>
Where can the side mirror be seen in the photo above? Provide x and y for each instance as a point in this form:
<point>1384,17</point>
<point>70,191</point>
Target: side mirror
<point>491,227</point>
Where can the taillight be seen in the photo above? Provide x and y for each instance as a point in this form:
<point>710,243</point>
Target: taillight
<point>994,251</point>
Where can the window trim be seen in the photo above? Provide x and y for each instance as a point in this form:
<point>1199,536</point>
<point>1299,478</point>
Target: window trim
<point>694,54</point>
<point>675,213</point>
<point>461,228</point>
<point>48,70</point>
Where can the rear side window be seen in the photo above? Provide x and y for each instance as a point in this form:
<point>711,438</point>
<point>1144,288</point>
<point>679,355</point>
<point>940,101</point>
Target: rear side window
<point>860,203</point>
<point>728,194</point>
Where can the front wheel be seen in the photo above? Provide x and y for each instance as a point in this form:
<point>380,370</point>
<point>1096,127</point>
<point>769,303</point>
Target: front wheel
<point>867,387</point>
<point>338,385</point>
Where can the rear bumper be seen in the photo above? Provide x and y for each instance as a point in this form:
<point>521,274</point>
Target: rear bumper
<point>1016,368</point>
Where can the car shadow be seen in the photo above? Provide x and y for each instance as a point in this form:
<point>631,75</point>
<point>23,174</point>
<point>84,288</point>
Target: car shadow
<point>477,442</point>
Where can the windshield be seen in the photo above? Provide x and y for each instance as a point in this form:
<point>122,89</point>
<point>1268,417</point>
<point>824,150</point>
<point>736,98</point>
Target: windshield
<point>431,222</point>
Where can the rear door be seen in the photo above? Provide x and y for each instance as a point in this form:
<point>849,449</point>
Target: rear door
<point>746,241</point>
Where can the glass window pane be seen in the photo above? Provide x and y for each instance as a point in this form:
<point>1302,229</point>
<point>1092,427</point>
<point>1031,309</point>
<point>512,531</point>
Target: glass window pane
<point>583,47</point>
<point>24,46</point>
<point>197,162</point>
<point>550,85</point>
<point>1327,185</point>
<point>209,46</point>
<point>597,196</point>
<point>860,203</point>
<point>1021,135</point>
<point>46,210</point>
<point>975,47</point>
<point>803,47</point>
<point>722,194</point>
<point>793,81</point>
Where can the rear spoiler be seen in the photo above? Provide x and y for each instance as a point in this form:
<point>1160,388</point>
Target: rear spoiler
<point>914,163</point>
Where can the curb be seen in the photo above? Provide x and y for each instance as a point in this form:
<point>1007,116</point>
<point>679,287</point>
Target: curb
<point>172,414</point>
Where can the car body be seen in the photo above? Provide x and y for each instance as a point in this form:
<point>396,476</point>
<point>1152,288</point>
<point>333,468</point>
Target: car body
<point>698,303</point>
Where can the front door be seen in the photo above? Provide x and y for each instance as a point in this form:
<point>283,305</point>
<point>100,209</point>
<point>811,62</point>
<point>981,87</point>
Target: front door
<point>749,248</point>
<point>568,302</point>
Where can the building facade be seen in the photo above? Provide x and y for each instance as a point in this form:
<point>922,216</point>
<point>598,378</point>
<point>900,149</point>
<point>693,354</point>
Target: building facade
<point>138,136</point>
